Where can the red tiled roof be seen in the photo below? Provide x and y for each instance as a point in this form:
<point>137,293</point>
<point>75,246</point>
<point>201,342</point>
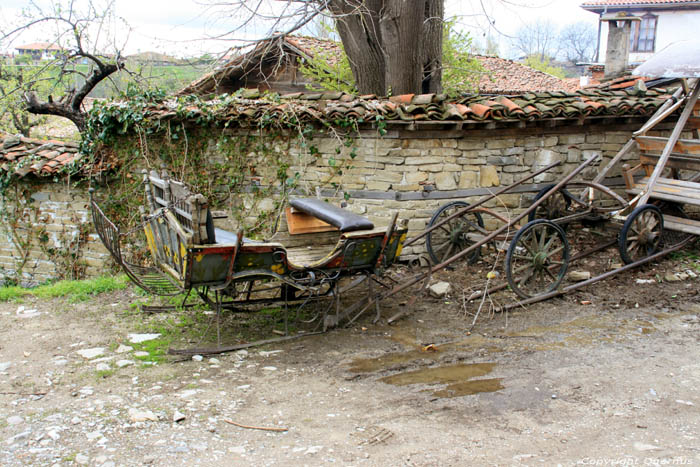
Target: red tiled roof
<point>248,107</point>
<point>501,76</point>
<point>598,6</point>
<point>23,156</point>
<point>509,77</point>
<point>39,46</point>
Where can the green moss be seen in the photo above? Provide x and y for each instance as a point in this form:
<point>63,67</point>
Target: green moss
<point>75,291</point>
<point>12,293</point>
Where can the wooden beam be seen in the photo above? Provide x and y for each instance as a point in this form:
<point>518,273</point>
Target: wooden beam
<point>680,124</point>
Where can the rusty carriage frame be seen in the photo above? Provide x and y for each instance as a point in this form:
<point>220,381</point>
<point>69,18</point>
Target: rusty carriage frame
<point>228,271</point>
<point>181,235</point>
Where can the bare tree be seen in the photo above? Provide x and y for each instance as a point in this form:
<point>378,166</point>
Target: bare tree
<point>578,42</point>
<point>78,68</point>
<point>538,37</point>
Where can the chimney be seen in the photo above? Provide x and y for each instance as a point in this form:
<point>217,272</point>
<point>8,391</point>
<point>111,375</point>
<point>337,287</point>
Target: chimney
<point>618,51</point>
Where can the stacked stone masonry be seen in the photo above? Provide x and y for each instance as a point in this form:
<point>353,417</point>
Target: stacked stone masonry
<point>50,226</point>
<point>384,167</point>
<point>400,166</point>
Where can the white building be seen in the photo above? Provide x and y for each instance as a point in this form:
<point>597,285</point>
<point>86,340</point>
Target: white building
<point>662,23</point>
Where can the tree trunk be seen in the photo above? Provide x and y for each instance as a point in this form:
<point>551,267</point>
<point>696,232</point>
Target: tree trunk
<point>431,42</point>
<point>401,24</point>
<point>358,25</point>
<point>394,46</point>
<point>69,106</point>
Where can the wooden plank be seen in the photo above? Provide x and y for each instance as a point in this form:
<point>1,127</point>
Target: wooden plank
<point>672,140</point>
<point>302,223</point>
<point>678,183</point>
<point>678,224</point>
<point>663,193</point>
<point>657,144</point>
<point>675,161</point>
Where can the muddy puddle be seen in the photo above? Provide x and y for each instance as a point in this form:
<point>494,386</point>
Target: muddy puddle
<point>417,364</point>
<point>449,380</point>
<point>457,378</point>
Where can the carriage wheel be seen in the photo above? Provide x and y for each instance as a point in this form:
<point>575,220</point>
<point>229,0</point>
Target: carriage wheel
<point>556,206</point>
<point>451,238</point>
<point>641,233</point>
<point>537,258</point>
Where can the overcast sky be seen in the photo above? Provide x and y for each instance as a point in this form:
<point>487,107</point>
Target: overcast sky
<point>187,27</point>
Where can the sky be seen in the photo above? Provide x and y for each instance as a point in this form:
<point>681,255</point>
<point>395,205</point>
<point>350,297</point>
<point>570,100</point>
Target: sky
<point>192,27</point>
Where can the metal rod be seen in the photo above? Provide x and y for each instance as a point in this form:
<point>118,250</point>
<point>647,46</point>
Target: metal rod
<point>574,258</point>
<point>490,237</point>
<point>592,280</point>
<point>663,111</point>
<point>478,203</point>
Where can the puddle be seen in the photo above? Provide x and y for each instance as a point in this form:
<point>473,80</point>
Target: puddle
<point>468,388</point>
<point>369,365</point>
<point>443,374</point>
<point>458,379</point>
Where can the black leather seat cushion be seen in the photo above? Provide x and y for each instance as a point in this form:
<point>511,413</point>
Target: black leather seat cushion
<point>344,220</point>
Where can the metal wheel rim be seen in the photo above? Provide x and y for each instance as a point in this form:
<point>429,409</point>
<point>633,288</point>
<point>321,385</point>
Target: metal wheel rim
<point>539,260</point>
<point>646,235</point>
<point>449,239</point>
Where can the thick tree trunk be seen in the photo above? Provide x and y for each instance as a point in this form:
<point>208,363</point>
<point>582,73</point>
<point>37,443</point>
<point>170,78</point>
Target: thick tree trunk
<point>358,25</point>
<point>394,46</point>
<point>401,25</point>
<point>431,42</point>
<point>62,108</point>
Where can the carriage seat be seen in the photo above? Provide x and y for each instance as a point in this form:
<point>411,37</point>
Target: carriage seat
<point>344,220</point>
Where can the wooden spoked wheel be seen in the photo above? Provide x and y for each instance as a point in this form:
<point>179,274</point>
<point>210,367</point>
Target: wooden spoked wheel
<point>453,236</point>
<point>537,258</point>
<point>556,206</point>
<point>641,234</point>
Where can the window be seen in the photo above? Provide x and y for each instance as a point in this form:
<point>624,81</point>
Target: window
<point>643,34</point>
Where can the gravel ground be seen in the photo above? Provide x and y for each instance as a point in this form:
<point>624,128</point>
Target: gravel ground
<point>613,382</point>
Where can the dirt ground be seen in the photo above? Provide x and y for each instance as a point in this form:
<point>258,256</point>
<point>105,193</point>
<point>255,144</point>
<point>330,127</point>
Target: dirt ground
<point>606,376</point>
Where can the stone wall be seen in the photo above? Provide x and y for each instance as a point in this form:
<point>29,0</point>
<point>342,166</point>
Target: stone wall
<point>412,172</point>
<point>48,234</point>
<point>418,175</point>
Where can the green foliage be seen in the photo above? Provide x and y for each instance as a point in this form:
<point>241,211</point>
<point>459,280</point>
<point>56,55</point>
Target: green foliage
<point>329,71</point>
<point>12,293</point>
<point>460,71</point>
<point>80,291</point>
<point>75,291</point>
<point>534,61</point>
<point>14,81</point>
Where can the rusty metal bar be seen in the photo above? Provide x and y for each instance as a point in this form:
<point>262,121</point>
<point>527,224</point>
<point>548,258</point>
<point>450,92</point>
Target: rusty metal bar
<point>487,239</point>
<point>592,280</point>
<point>486,198</point>
<point>574,258</point>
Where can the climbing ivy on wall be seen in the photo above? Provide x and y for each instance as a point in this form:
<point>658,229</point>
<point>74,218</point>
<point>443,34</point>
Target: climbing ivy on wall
<point>25,227</point>
<point>242,167</point>
<point>234,164</point>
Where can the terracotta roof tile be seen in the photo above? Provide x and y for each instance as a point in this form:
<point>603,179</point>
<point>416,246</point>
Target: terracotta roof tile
<point>24,156</point>
<point>501,76</point>
<point>236,111</point>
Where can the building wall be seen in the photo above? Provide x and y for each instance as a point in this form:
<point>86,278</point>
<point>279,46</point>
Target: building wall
<point>413,175</point>
<point>672,26</point>
<point>396,174</point>
<point>49,236</point>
